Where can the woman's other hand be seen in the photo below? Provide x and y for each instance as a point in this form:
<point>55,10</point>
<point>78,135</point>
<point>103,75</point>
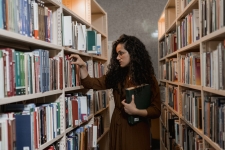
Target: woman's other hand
<point>130,108</point>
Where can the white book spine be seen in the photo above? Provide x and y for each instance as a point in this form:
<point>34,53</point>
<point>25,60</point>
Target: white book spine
<point>67,30</point>
<point>35,9</point>
<point>7,71</point>
<point>94,144</point>
<point>2,84</point>
<point>99,44</point>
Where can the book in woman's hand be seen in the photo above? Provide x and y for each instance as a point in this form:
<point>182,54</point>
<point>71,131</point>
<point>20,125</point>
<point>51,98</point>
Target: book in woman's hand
<point>142,99</point>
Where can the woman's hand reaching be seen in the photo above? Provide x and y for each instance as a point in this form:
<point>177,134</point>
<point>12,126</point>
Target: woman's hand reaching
<point>77,60</point>
<point>130,108</point>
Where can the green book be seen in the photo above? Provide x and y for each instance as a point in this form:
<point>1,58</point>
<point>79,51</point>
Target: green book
<point>142,99</point>
<point>91,42</point>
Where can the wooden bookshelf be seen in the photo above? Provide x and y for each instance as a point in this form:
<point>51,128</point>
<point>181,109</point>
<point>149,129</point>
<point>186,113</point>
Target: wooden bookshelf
<point>85,12</point>
<point>194,45</point>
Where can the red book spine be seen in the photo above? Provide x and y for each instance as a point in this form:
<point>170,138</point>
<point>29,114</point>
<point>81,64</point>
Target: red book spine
<point>61,72</point>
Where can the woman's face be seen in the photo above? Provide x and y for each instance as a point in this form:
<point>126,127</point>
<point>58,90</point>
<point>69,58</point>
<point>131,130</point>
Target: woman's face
<point>122,55</point>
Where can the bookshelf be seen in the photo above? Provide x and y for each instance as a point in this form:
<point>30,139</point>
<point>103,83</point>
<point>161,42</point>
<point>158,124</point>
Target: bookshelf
<point>55,93</point>
<point>191,73</point>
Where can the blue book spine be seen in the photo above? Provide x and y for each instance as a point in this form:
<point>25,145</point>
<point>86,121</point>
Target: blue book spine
<point>44,68</point>
<point>29,32</point>
<point>47,70</point>
<point>4,13</point>
<point>41,71</point>
<point>23,13</point>
<point>23,131</point>
<point>1,14</point>
<point>21,16</point>
<point>73,75</point>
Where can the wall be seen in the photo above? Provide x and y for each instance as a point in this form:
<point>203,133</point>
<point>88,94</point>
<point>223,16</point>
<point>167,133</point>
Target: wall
<point>135,17</point>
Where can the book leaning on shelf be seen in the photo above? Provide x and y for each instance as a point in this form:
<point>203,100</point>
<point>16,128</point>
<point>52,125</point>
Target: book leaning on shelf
<point>142,100</point>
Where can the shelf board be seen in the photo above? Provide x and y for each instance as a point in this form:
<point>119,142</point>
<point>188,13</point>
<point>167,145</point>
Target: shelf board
<point>96,8</point>
<point>162,37</point>
<point>174,83</point>
<point>6,38</point>
<point>199,131</point>
<point>79,52</point>
<point>192,5</point>
<point>101,110</point>
<point>52,3</point>
<point>99,31</point>
<point>172,27</point>
<point>163,80</point>
<point>99,57</point>
<point>171,54</point>
<point>216,35</point>
<point>67,11</point>
<point>162,59</point>
<point>195,45</point>
<point>45,145</point>
<point>19,98</point>
<point>171,109</point>
<point>106,130</point>
<point>213,144</point>
<point>74,127</point>
<point>214,91</point>
<point>82,53</point>
<point>73,88</point>
<point>196,87</point>
<point>170,3</point>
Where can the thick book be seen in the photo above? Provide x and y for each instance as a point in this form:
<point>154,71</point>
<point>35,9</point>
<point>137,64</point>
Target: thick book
<point>142,99</point>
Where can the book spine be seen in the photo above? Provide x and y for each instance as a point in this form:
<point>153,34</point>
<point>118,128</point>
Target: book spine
<point>2,75</point>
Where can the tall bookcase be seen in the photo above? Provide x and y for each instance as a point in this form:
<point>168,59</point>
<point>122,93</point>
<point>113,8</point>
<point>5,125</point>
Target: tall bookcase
<point>89,13</point>
<point>191,72</point>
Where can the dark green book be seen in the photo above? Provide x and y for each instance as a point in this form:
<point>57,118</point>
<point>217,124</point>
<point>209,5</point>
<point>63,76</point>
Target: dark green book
<point>142,99</point>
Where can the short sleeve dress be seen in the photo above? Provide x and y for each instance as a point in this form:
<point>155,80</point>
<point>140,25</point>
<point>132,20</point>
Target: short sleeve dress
<point>122,135</point>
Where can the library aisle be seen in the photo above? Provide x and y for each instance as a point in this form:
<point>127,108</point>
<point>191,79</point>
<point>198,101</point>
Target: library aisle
<point>191,48</point>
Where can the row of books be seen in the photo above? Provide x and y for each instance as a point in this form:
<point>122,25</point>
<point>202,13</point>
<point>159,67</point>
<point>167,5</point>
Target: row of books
<point>29,125</point>
<point>173,100</point>
<point>169,45</point>
<point>212,62</point>
<point>188,29</point>
<point>177,135</point>
<point>100,98</point>
<point>29,72</point>
<point>191,107</point>
<point>85,137</point>
<point>212,15</point>
<point>77,36</point>
<point>169,70</point>
<point>190,68</point>
<point>72,73</point>
<point>214,127</point>
<point>214,65</point>
<point>27,17</point>
<point>77,108</point>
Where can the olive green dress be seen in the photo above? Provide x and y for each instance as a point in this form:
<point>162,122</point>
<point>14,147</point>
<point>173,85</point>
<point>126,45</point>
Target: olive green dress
<point>122,135</point>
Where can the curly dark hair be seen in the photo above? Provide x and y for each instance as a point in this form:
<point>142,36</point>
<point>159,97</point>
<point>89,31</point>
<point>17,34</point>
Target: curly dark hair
<point>140,69</point>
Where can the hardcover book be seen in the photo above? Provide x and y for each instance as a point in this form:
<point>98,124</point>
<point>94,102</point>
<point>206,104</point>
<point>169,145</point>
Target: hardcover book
<point>142,99</point>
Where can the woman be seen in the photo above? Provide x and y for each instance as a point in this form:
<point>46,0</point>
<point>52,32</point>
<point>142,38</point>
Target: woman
<point>130,65</point>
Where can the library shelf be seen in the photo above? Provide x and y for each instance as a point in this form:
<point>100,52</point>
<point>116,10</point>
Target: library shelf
<point>20,98</point>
